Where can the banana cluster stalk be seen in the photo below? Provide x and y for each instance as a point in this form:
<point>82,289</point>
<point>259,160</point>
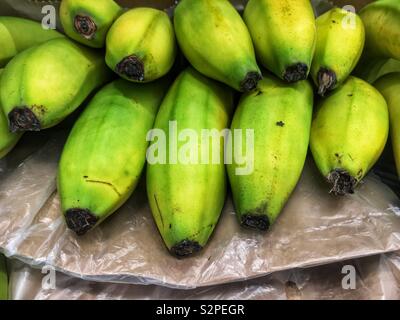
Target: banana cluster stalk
<point>106,151</point>
<point>349,133</point>
<point>187,186</point>
<point>18,34</point>
<point>340,42</point>
<point>215,40</point>
<point>280,116</point>
<point>88,21</point>
<point>140,45</point>
<point>284,36</point>
<point>44,84</point>
<point>382,27</point>
<point>389,86</point>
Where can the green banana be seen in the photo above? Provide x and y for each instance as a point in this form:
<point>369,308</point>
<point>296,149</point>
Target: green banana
<point>371,69</point>
<point>389,87</point>
<point>88,21</point>
<point>339,48</point>
<point>382,28</point>
<point>140,45</point>
<point>280,116</point>
<point>7,139</point>
<point>44,84</point>
<point>284,35</point>
<point>349,133</point>
<point>215,40</point>
<point>106,151</point>
<point>178,190</point>
<point>18,34</point>
<point>3,279</point>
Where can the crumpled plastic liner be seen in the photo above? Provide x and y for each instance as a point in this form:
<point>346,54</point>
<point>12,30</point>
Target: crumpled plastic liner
<point>315,228</point>
<point>378,278</point>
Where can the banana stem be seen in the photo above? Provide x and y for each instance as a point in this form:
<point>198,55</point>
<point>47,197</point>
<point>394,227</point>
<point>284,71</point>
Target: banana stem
<point>326,81</point>
<point>80,220</point>
<point>132,67</point>
<point>23,119</point>
<point>342,182</point>
<point>85,26</point>
<point>258,222</point>
<point>186,248</point>
<point>250,82</point>
<point>296,72</point>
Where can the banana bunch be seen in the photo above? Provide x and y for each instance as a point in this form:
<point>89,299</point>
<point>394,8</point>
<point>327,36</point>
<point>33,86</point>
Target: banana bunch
<point>88,21</point>
<point>382,25</point>
<point>18,34</point>
<point>279,114</point>
<point>106,151</point>
<point>284,36</point>
<point>215,40</point>
<point>3,279</point>
<point>389,87</point>
<point>349,133</point>
<point>186,187</point>
<point>140,45</point>
<point>340,42</point>
<point>46,83</point>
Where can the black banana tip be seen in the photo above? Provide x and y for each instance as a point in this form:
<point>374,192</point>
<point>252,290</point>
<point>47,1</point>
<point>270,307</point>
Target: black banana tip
<point>85,26</point>
<point>80,220</point>
<point>296,72</point>
<point>326,81</point>
<point>23,119</point>
<point>258,222</point>
<point>250,81</point>
<point>132,67</point>
<point>342,182</point>
<point>186,248</point>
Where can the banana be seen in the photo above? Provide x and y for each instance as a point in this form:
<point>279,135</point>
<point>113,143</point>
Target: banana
<point>7,139</point>
<point>3,279</point>
<point>88,21</point>
<point>44,84</point>
<point>106,151</point>
<point>382,28</point>
<point>187,193</point>
<point>339,48</point>
<point>215,40</point>
<point>389,87</point>
<point>18,34</point>
<point>371,69</point>
<point>280,116</point>
<point>284,36</point>
<point>349,133</point>
<point>140,45</point>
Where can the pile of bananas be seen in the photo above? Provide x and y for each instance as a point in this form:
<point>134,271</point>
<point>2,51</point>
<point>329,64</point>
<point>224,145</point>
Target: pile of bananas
<point>47,76</point>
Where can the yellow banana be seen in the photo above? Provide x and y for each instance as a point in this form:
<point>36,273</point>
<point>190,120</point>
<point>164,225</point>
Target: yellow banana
<point>215,40</point>
<point>46,83</point>
<point>106,151</point>
<point>284,35</point>
<point>88,21</point>
<point>140,45</point>
<point>382,28</point>
<point>349,133</point>
<point>340,42</point>
<point>280,115</point>
<point>389,86</point>
<point>3,279</point>
<point>179,186</point>
<point>18,34</point>
<point>7,139</point>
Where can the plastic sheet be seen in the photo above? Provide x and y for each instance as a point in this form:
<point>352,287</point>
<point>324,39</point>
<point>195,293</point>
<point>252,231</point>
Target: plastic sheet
<point>378,277</point>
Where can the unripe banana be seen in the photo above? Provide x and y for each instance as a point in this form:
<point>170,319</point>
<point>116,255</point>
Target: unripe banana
<point>7,139</point>
<point>280,115</point>
<point>187,192</point>
<point>46,83</point>
<point>106,151</point>
<point>140,45</point>
<point>3,279</point>
<point>284,35</point>
<point>382,28</point>
<point>349,133</point>
<point>389,86</point>
<point>339,48</point>
<point>18,34</point>
<point>215,40</point>
<point>88,21</point>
